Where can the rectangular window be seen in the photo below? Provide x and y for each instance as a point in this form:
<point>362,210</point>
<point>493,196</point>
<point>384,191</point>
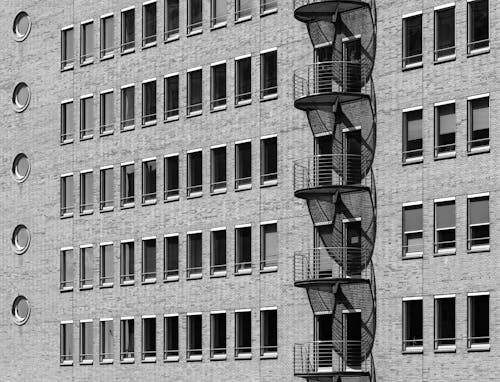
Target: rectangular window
<point>127,339</point>
<point>478,119</point>
<point>106,341</point>
<point>66,347</point>
<point>218,335</point>
<point>194,16</point>
<point>413,325</point>
<point>86,192</point>
<point>478,220</point>
<point>86,117</point>
<point>67,121</point>
<point>86,342</point>
<point>107,36</point>
<point>194,93</point>
<point>149,260</point>
<point>412,41</point>
<point>444,222</point>
<point>268,246</point>
<point>171,258</point>
<point>243,334</point>
<point>171,97</point>
<point>128,31</point>
<point>149,181</point>
<point>269,332</point>
<point>66,280</point>
<point>149,24</point>
<point>243,250</point>
<point>194,337</point>
<point>243,166</point>
<point>444,33</point>
<point>413,148</point>
<point>478,32</point>
<point>106,192</point>
<point>194,255</point>
<point>478,317</point>
<point>86,267</point>
<point>149,102</point>
<point>194,174</point>
<point>67,48</point>
<point>171,340</point>
<point>243,10</point>
<point>149,339</point>
<point>107,113</point>
<point>444,120</point>
<point>218,174</point>
<point>268,6</point>
<point>171,20</point>
<point>413,228</point>
<point>171,181</point>
<point>67,195</point>
<point>127,108</point>
<point>218,252</point>
<point>127,271</point>
<point>444,323</point>
<point>243,86</point>
<point>269,74</point>
<point>87,43</point>
<point>218,13</point>
<point>268,161</point>
<point>127,185</point>
<point>106,265</point>
<point>218,86</point>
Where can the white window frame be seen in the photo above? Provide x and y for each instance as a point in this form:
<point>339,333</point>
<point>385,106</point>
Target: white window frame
<point>410,348</point>
<point>416,253</point>
<point>470,246</point>
<point>485,49</point>
<point>444,251</point>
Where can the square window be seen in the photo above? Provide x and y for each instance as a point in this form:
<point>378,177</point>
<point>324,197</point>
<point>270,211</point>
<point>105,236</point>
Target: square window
<point>171,258</point>
<point>243,166</point>
<point>413,243</point>
<point>413,149</point>
<point>194,174</point>
<point>478,217</point>
<point>67,48</point>
<point>478,122</point>
<point>171,20</point>
<point>107,36</point>
<point>127,185</point>
<point>171,97</point>
<point>149,182</point>
<point>106,192</point>
<point>243,250</point>
<point>67,269</point>
<point>149,260</point>
<point>243,334</point>
<point>86,117</point>
<point>86,342</point>
<point>67,196</point>
<point>194,93</point>
<point>269,161</point>
<point>413,325</point>
<point>194,337</point>
<point>194,16</point>
<point>149,103</point>
<point>171,340</point>
<point>86,192</point>
<point>445,126</point>
<point>269,75</point>
<point>269,333</point>
<point>148,339</point>
<point>106,354</point>
<point>444,33</point>
<point>218,174</point>
<point>194,256</point>
<point>127,271</point>
<point>412,41</point>
<point>87,43</point>
<point>243,86</point>
<point>107,113</point>
<point>86,267</point>
<point>478,26</point>
<point>149,24</point>
<point>218,87</point>
<point>269,246</point>
<point>128,31</point>
<point>127,108</point>
<point>171,178</point>
<point>444,223</point>
<point>243,10</point>
<point>127,339</point>
<point>478,328</point>
<point>218,13</point>
<point>218,335</point>
<point>444,323</point>
<point>218,253</point>
<point>106,265</point>
<point>66,341</point>
<point>67,121</point>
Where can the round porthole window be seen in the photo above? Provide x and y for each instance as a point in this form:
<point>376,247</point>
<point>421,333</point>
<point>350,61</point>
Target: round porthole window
<point>21,167</point>
<point>21,97</point>
<point>22,26</point>
<point>21,239</point>
<point>21,310</point>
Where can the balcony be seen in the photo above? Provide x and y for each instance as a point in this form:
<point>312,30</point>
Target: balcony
<point>315,10</point>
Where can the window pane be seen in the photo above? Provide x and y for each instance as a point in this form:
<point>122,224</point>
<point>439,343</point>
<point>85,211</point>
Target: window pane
<point>243,248</point>
<point>127,117</point>
<point>107,112</point>
<point>127,184</point>
<point>218,169</point>
<point>269,75</point>
<point>243,80</point>
<point>171,177</point>
<point>127,262</point>
<point>479,211</point>
<point>171,336</point>
<point>243,338</point>
<point>87,41</point>
<point>107,188</point>
<point>172,18</point>
<point>413,218</point>
<point>218,86</point>
<point>67,269</point>
<point>171,97</point>
<point>413,324</point>
<point>269,251</point>
<point>243,8</point>
<point>269,160</point>
<point>106,351</point>
<point>479,320</point>
<point>194,91</point>
<point>149,102</point>
<point>107,36</point>
<point>219,12</point>
<point>171,257</point>
<point>268,5</point>
<point>128,30</point>
<point>194,255</point>
<point>478,24</point>
<point>68,48</point>
<point>445,321</point>
<point>127,339</point>
<point>107,264</point>
<point>269,331</point>
<point>149,27</point>
<point>148,337</point>
<point>218,252</point>
<point>66,342</point>
<point>148,259</point>
<point>445,214</point>
<point>86,191</point>
<point>445,119</point>
<point>243,164</point>
<point>148,181</point>
<point>445,32</point>
<point>86,266</point>
<point>412,40</point>
<point>194,173</point>
<point>195,20</point>
<point>67,121</point>
<point>194,336</point>
<point>479,122</point>
<point>413,133</point>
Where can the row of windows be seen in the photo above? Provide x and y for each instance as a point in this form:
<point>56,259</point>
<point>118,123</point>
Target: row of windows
<point>194,97</point>
<point>445,338</point>
<point>444,33</point>
<point>478,129</point>
<point>107,48</point>
<point>243,262</point>
<point>171,175</point>
<point>478,226</point>
<point>171,337</point>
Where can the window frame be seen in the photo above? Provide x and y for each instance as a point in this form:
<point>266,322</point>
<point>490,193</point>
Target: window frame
<point>449,250</point>
<point>241,352</point>
<point>470,226</point>
<point>268,178</point>
<point>244,98</point>
<point>268,92</point>
<point>106,205</point>
<point>66,136</point>
<point>67,57</point>
<point>217,186</point>
<point>127,356</point>
<point>268,7</point>
<point>238,17</point>
<point>194,109</point>
<point>451,347</point>
<point>105,357</point>
<point>170,354</point>
<point>84,251</point>
<point>86,201</point>
<point>67,276</point>
<point>127,256</point>
<point>215,23</point>
<point>439,153</point>
<point>266,350</point>
<point>170,274</point>
<point>67,210</point>
<point>407,157</point>
<point>171,114</point>
<point>242,183</point>
<point>483,346</point>
<point>484,49</point>
<point>148,277</point>
<point>106,52</point>
<point>417,345</point>
<point>437,52</point>
<point>193,273</point>
<point>148,355</point>
<point>405,59</point>
<point>193,354</point>
<point>217,270</point>
<point>127,124</point>
<point>84,357</point>
<point>66,343</point>
<point>148,197</point>
<point>170,194</point>
<point>471,148</point>
<point>106,280</point>
<point>86,132</point>
<point>218,353</point>
<point>193,28</point>
<point>194,190</point>
<point>86,55</point>
<point>149,40</point>
<point>242,267</point>
<point>268,264</point>
<point>148,118</point>
<point>104,127</point>
<point>127,46</point>
<point>127,201</point>
<point>219,103</point>
<point>171,34</point>
<point>405,233</point>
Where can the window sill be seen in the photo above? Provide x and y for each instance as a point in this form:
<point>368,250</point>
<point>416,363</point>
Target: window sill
<point>243,272</point>
<point>127,51</point>
<point>440,156</point>
<point>148,124</point>
<point>106,285</point>
<point>273,268</point>
<point>86,137</point>
<point>446,252</point>
<point>413,161</point>
<point>416,65</point>
<point>67,215</point>
<point>219,191</point>
<point>86,63</point>
<point>149,45</point>
<point>66,142</point>
<point>194,32</point>
<point>149,281</point>
<point>106,362</point>
<point>269,183</point>
<point>241,357</point>
<point>413,255</point>
<point>442,60</point>
<point>195,195</point>
<point>86,287</point>
<point>414,350</point>
<point>86,212</point>
<point>478,52</point>
<point>67,68</point>
<point>194,114</point>
<point>127,283</point>
<point>479,150</point>
<point>172,199</point>
<point>269,355</point>
<point>218,108</point>
<point>107,57</point>
<point>106,209</point>
<point>172,359</point>
<point>446,349</point>
<point>197,276</point>
<point>194,358</point>
<point>269,97</point>
<point>88,362</point>
<point>107,132</point>
<point>66,363</point>
<point>218,274</point>
<point>127,128</point>
<point>66,289</point>
<point>219,25</point>
<point>269,12</point>
<point>243,19</point>
<point>171,279</point>
<point>243,187</point>
<point>127,206</point>
<point>172,38</point>
<point>479,248</point>
<point>479,348</point>
<point>243,103</point>
<point>171,119</point>
<point>149,360</point>
<point>218,357</point>
<point>149,202</point>
<point>128,360</point>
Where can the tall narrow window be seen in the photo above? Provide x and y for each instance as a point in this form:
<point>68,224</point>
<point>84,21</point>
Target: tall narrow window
<point>171,258</point>
<point>194,16</point>
<point>268,161</point>
<point>268,6</point>
<point>218,169</point>
<point>218,86</point>
<point>413,325</point>
<point>243,86</point>
<point>478,119</point>
<point>218,13</point>
<point>413,229</point>
<point>194,337</point>
<point>148,338</point>
<point>127,108</point>
<point>444,221</point>
<point>107,112</point>
<point>218,252</point>
<point>106,192</point>
<point>194,174</point>
<point>243,178</point>
<point>87,43</point>
<point>86,117</point>
<point>67,48</point>
<point>67,195</point>
<point>107,36</point>
<point>149,181</point>
<point>243,334</point>
<point>445,122</point>
<point>194,255</point>
<point>268,332</point>
<point>478,317</point>
<point>149,260</point>
<point>149,24</point>
<point>127,185</point>
<point>128,31</point>
<point>444,322</point>
<point>67,273</point>
<point>412,41</point>
<point>127,260</point>
<point>243,10</point>
<point>127,339</point>
<point>171,340</point>
<point>269,74</point>
<point>478,234</point>
<point>86,192</point>
<point>106,341</point>
<point>243,249</point>
<point>86,267</point>
<point>171,20</point>
<point>269,246</point>
<point>171,181</point>
<point>67,121</point>
<point>218,335</point>
<point>413,148</point>
<point>106,265</point>
<point>478,31</point>
<point>149,102</point>
<point>194,92</point>
<point>444,33</point>
<point>86,342</point>
<point>66,347</point>
<point>171,97</point>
